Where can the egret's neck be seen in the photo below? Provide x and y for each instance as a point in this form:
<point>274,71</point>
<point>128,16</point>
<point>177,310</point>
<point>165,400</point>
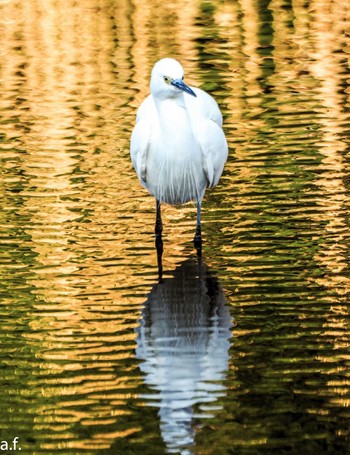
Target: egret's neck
<point>168,103</point>
<point>173,117</point>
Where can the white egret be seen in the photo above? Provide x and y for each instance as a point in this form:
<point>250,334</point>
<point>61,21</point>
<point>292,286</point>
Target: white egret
<point>178,147</point>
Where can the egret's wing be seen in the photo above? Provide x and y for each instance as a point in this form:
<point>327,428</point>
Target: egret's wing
<point>214,150</point>
<point>147,109</point>
<point>141,138</point>
<point>203,105</point>
<point>206,120</point>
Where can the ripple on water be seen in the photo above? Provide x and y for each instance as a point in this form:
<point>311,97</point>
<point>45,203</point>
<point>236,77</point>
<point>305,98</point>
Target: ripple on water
<point>96,356</point>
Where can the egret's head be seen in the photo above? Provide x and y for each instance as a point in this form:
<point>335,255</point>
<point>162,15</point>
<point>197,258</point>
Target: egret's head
<point>167,79</point>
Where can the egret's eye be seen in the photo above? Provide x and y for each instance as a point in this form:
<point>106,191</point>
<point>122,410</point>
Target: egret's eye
<point>167,79</point>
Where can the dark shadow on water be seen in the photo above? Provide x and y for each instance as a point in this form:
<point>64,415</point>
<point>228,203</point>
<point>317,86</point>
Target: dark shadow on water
<point>183,341</point>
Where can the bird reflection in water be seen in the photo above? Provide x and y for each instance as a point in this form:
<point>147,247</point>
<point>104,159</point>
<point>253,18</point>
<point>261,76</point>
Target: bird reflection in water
<point>183,342</point>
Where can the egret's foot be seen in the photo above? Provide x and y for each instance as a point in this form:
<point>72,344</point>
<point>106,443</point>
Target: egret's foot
<point>198,244</point>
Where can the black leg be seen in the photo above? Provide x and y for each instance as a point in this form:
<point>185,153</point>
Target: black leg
<point>159,248</point>
<point>159,226</point>
<point>159,241</point>
<point>198,235</point>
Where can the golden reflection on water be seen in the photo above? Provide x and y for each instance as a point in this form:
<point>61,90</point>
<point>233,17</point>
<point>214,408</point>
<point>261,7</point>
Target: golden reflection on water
<point>72,76</point>
<point>63,94</point>
<point>330,24</point>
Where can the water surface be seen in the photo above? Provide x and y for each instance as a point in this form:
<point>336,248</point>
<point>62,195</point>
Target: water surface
<point>243,352</point>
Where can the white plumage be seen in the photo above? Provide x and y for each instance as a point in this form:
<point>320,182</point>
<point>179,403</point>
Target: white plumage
<point>178,147</point>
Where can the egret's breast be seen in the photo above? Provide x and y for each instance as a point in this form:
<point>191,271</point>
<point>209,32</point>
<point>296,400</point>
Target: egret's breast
<point>175,172</point>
